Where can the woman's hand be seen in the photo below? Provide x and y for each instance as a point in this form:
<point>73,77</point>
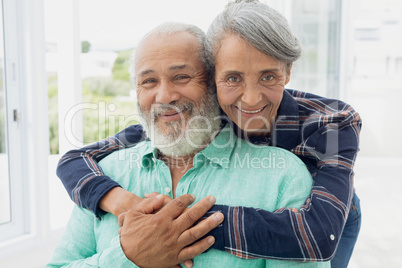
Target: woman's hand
<point>118,201</point>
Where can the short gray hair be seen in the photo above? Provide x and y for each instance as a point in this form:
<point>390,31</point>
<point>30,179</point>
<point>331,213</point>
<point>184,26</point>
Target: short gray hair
<point>169,28</point>
<point>258,24</point>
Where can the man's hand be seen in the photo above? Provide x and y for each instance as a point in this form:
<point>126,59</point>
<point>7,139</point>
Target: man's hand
<point>166,238</point>
<point>118,201</point>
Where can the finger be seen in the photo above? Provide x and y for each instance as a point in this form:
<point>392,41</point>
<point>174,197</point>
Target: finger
<point>193,214</point>
<point>167,200</point>
<point>174,208</point>
<point>196,249</point>
<point>149,205</point>
<point>154,194</point>
<point>201,229</point>
<point>188,263</point>
<point>121,218</point>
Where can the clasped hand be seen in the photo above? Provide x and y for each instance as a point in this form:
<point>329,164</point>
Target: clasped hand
<point>165,238</point>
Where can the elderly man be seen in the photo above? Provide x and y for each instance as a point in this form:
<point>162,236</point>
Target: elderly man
<point>189,153</point>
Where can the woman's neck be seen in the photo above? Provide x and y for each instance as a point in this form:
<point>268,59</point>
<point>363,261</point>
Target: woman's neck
<point>252,134</point>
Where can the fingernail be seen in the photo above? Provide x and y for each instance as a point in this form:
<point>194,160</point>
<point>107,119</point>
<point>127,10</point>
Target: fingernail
<point>218,216</point>
<point>211,240</point>
<point>159,196</point>
<point>187,264</point>
<point>212,199</point>
<point>192,196</point>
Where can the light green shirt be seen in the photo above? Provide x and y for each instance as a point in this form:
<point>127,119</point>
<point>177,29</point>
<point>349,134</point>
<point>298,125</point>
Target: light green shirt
<point>236,172</point>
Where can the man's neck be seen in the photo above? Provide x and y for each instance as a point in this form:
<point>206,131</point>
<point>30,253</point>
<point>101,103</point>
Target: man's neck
<point>176,161</point>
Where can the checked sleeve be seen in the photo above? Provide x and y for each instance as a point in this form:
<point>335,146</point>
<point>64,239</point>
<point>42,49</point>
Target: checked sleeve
<point>329,145</point>
<point>80,174</point>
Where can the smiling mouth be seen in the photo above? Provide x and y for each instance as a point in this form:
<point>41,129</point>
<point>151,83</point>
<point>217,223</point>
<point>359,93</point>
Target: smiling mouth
<point>251,111</point>
<point>171,115</point>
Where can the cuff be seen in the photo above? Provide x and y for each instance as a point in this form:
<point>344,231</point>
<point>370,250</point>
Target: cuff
<point>222,229</point>
<point>93,191</point>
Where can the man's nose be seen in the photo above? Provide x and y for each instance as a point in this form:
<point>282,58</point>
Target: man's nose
<point>166,93</point>
<point>251,96</point>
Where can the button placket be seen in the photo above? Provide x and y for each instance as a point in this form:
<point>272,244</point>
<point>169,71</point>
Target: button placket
<point>162,174</point>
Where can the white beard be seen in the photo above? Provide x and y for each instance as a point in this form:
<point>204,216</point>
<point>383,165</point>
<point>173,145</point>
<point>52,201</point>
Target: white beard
<point>183,137</point>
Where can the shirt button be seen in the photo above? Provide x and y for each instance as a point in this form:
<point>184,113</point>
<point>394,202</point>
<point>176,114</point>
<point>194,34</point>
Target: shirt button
<point>332,237</point>
<point>167,190</point>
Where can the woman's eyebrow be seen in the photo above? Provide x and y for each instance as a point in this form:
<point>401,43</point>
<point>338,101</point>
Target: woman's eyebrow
<point>270,70</point>
<point>232,72</point>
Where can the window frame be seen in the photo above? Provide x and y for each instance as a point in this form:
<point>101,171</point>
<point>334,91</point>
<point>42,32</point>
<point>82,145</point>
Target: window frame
<point>12,86</point>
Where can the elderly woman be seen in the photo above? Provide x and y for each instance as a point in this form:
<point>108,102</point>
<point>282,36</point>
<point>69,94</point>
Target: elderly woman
<point>253,49</point>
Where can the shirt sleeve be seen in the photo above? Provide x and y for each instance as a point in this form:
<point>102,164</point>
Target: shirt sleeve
<point>313,232</point>
<point>80,174</point>
<point>77,247</point>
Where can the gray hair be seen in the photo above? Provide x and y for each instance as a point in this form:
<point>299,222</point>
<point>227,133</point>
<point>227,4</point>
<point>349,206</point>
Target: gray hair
<point>169,28</point>
<point>258,24</point>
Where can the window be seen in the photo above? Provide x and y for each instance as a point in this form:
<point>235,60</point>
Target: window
<point>5,213</point>
<point>318,26</point>
<point>11,189</point>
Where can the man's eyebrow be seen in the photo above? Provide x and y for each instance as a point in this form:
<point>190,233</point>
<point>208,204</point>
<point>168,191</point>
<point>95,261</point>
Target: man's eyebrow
<point>145,72</point>
<point>178,67</point>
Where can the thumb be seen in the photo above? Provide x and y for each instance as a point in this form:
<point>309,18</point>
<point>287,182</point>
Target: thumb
<point>121,218</point>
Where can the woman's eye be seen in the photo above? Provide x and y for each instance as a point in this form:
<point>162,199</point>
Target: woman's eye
<point>268,78</point>
<point>233,79</point>
<point>180,77</point>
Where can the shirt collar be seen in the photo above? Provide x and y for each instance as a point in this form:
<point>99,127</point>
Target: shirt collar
<point>149,157</point>
<point>217,152</point>
<point>286,130</point>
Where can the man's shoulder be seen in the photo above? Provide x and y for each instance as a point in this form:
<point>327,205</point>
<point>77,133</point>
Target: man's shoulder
<point>264,152</point>
<point>124,157</point>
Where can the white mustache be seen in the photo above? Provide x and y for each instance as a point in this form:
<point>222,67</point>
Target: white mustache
<point>158,109</point>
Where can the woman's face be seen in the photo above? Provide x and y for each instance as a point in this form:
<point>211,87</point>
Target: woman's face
<point>249,84</point>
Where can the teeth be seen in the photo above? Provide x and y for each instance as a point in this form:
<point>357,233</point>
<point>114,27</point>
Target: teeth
<point>251,112</point>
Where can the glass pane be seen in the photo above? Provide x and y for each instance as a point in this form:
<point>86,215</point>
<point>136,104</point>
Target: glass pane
<point>317,24</point>
<point>5,214</point>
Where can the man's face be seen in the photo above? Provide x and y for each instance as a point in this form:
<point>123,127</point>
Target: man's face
<point>171,84</point>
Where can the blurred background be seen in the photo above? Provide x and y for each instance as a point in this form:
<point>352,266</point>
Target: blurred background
<point>64,84</point>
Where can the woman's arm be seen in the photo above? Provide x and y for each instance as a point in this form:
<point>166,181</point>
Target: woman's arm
<point>84,180</point>
<point>312,233</point>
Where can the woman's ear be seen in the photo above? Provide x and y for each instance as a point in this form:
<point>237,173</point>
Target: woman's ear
<point>288,72</point>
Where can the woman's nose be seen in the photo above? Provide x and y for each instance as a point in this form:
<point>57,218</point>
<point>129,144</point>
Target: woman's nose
<point>251,96</point>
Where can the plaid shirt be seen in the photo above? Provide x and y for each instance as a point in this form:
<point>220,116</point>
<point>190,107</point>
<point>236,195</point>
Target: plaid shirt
<point>323,132</point>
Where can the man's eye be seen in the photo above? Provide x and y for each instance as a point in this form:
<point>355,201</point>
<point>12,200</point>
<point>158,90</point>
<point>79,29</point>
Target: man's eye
<point>268,78</point>
<point>182,77</point>
<point>148,81</point>
<point>233,79</point>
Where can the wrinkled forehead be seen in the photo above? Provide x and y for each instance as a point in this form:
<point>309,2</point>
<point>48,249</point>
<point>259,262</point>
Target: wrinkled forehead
<point>179,48</point>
